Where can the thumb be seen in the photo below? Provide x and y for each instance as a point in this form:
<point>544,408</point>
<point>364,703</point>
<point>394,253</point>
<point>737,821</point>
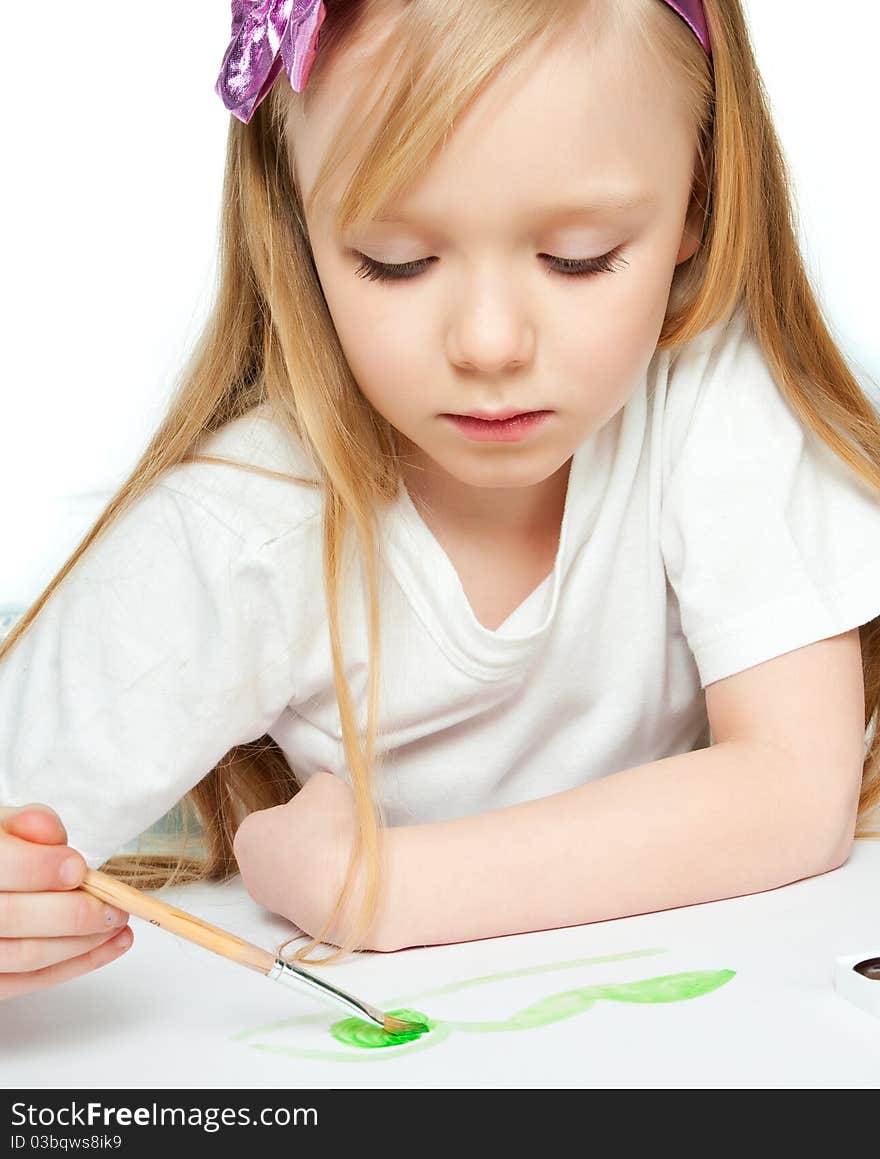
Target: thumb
<point>34,822</point>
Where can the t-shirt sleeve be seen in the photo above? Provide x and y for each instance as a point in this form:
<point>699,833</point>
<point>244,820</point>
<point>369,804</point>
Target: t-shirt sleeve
<point>163,648</point>
<point>769,540</point>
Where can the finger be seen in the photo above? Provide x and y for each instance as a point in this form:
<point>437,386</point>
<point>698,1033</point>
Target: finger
<point>27,955</point>
<point>35,823</point>
<point>11,810</point>
<point>29,866</point>
<point>56,914</point>
<point>13,985</point>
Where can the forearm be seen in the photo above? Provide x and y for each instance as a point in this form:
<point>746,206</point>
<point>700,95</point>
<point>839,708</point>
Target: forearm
<point>710,824</point>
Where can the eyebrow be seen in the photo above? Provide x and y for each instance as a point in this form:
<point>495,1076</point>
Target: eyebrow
<point>595,207</point>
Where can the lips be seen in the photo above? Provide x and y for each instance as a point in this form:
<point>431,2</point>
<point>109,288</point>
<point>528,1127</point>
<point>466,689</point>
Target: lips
<point>497,417</point>
<point>508,430</point>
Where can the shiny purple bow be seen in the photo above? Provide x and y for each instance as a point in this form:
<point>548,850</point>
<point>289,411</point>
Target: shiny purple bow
<point>266,36</point>
<point>270,34</point>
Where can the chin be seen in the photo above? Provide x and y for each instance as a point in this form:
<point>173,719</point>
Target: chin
<point>500,471</point>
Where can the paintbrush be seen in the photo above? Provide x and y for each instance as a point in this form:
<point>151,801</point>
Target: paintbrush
<point>177,921</point>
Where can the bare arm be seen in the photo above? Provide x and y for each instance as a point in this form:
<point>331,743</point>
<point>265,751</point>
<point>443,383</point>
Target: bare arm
<point>714,823</point>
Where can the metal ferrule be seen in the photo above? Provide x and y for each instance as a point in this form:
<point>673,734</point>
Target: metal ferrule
<point>289,975</point>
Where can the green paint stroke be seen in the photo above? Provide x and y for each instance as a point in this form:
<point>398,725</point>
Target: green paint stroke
<point>366,1036</point>
<point>555,1008</point>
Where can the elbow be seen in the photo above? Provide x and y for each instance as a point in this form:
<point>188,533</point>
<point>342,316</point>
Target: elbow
<point>246,847</point>
<point>266,872</point>
<point>841,851</point>
<point>837,844</point>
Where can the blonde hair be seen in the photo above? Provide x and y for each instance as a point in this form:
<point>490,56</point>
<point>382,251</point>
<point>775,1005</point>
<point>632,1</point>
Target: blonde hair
<point>270,338</point>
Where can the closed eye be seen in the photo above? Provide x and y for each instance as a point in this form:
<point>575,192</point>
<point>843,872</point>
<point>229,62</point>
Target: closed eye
<point>567,267</point>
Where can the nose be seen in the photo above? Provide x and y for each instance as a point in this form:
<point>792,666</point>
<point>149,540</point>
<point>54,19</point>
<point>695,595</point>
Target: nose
<point>490,332</point>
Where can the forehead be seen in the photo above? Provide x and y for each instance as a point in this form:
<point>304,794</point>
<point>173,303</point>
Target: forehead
<point>575,122</point>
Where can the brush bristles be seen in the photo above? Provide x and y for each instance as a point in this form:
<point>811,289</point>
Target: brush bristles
<point>401,1026</point>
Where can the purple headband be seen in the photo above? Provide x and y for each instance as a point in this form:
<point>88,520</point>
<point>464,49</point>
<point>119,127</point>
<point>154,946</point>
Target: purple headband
<point>694,15</point>
<point>270,34</point>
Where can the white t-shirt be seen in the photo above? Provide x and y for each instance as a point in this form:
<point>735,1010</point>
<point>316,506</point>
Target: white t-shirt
<point>705,530</point>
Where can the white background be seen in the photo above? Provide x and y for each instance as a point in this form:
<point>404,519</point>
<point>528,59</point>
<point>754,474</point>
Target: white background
<point>115,145</point>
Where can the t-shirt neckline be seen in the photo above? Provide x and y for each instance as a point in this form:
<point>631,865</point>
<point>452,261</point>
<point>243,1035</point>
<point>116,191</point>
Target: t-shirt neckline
<point>433,587</point>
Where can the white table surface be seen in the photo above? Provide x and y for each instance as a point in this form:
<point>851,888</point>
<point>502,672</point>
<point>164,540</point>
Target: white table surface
<point>171,1015</point>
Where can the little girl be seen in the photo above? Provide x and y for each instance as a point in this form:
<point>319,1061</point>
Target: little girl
<point>616,654</point>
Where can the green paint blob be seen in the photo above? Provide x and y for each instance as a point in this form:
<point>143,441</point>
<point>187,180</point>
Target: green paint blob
<point>366,1038</point>
<point>369,1036</point>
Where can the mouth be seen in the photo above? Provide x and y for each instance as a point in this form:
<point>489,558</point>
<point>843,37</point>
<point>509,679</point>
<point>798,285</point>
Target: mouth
<point>498,416</point>
<point>507,430</point>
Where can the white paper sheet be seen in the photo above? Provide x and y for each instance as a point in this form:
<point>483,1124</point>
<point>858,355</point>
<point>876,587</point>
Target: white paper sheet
<point>170,1014</point>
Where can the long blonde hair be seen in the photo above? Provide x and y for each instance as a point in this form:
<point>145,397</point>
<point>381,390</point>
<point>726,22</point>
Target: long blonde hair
<point>270,338</point>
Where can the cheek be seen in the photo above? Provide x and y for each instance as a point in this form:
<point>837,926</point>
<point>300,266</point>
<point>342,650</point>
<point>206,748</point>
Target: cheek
<point>387,359</point>
<point>378,333</point>
<point>609,356</point>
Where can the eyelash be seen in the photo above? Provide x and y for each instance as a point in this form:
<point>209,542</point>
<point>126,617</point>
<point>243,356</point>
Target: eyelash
<point>567,267</point>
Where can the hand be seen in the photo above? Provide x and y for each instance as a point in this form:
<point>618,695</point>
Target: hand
<point>50,931</point>
<point>293,858</point>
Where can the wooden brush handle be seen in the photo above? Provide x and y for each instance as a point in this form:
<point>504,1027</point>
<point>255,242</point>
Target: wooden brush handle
<point>176,921</point>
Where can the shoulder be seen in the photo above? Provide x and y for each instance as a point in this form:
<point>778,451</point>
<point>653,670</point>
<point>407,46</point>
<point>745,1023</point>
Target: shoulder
<point>721,396</point>
<point>718,355</point>
<point>254,504</point>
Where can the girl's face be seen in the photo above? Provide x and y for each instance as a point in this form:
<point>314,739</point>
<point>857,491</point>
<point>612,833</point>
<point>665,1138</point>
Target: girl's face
<point>486,316</point>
